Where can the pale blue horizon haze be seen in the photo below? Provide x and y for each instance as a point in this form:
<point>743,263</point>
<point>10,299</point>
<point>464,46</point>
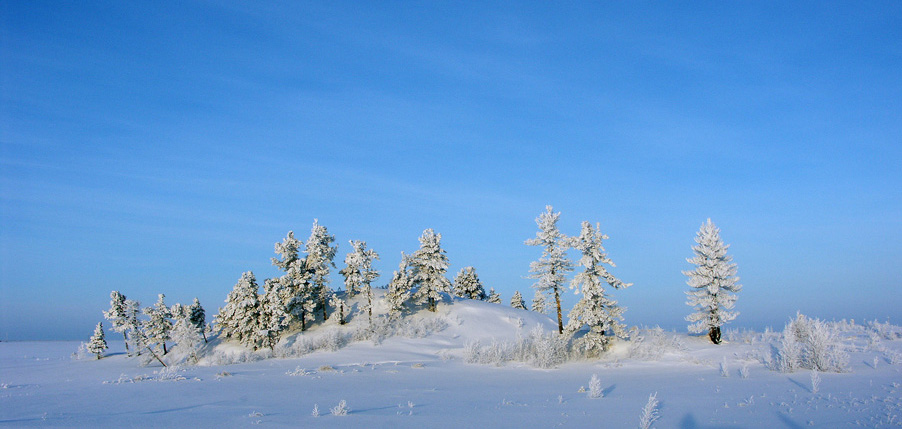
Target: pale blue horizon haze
<point>165,147</point>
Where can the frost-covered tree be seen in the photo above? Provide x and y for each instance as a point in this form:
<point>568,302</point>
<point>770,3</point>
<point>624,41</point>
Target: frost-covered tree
<point>359,273</point>
<point>467,284</point>
<point>239,320</point>
<point>429,264</point>
<point>400,287</point>
<point>198,317</point>
<point>320,256</point>
<point>713,281</point>
<point>133,327</point>
<point>550,271</point>
<point>340,306</point>
<point>158,324</point>
<point>538,303</point>
<point>186,335</point>
<point>117,317</point>
<point>517,301</point>
<point>595,308</point>
<point>98,342</point>
<point>493,297</point>
<point>296,288</point>
<point>274,319</point>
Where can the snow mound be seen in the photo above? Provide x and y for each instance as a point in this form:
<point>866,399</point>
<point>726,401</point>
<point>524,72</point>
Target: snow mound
<point>457,323</point>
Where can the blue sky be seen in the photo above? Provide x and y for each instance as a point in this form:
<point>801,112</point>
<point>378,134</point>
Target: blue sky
<point>165,147</point>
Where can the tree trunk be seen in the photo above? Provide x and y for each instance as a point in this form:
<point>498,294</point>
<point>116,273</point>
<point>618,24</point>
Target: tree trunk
<point>164,348</point>
<point>714,334</point>
<point>560,321</point>
<point>323,304</point>
<point>126,343</point>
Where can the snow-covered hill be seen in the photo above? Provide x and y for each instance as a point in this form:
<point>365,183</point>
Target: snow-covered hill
<point>420,377</point>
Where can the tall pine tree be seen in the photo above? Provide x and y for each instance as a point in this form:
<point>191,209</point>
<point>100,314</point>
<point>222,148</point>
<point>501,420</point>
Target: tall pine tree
<point>429,264</point>
<point>117,317</point>
<point>595,308</point>
<point>713,283</point>
<point>399,288</point>
<point>320,256</point>
<point>550,271</point>
<point>359,273</point>
<point>158,324</point>
<point>296,288</point>
<point>239,320</point>
<point>198,317</point>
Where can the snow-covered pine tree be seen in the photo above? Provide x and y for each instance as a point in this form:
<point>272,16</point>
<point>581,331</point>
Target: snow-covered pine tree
<point>358,263</point>
<point>320,256</point>
<point>273,317</point>
<point>185,334</point>
<point>713,282</point>
<point>98,342</point>
<point>133,327</point>
<point>550,271</point>
<point>198,317</point>
<point>467,284</point>
<point>493,297</point>
<point>399,288</point>
<point>517,301</point>
<point>296,287</point>
<point>429,264</point>
<point>239,320</point>
<point>158,324</point>
<point>538,302</point>
<point>595,309</point>
<point>117,317</point>
<point>367,275</point>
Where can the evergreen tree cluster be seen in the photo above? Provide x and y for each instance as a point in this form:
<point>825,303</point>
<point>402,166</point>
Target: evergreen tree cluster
<point>302,295</point>
<point>595,309</point>
<point>179,324</point>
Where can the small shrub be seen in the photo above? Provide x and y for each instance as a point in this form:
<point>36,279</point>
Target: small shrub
<point>649,412</point>
<point>595,387</point>
<point>341,409</point>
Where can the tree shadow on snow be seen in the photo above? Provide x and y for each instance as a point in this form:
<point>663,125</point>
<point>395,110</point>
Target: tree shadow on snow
<point>807,388</point>
<point>788,421</point>
<point>606,392</point>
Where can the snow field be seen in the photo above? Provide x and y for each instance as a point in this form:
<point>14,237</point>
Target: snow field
<point>419,376</point>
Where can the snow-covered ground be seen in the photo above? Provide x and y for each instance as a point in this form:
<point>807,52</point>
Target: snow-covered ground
<point>421,378</point>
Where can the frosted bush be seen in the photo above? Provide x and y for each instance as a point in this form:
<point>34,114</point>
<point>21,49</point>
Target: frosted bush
<point>595,387</point>
<point>744,371</point>
<point>815,381</point>
<point>886,330</point>
<point>649,412</point>
<point>82,352</point>
<point>333,340</point>
<point>651,344</point>
<point>812,344</point>
<point>315,412</point>
<point>538,349</point>
<point>341,409</point>
<point>724,370</point>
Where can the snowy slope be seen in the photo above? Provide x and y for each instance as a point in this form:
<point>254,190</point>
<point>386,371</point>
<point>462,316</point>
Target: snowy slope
<point>425,382</point>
